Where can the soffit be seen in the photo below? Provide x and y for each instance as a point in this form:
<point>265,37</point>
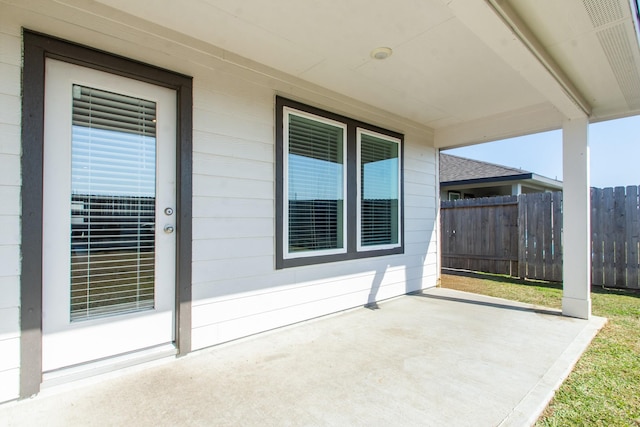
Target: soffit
<point>595,43</point>
<point>457,65</point>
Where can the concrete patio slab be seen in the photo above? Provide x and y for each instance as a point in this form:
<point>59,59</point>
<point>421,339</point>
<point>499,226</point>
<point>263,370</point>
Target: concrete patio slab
<point>439,358</point>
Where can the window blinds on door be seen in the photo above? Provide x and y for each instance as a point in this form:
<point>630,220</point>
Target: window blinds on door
<point>113,169</point>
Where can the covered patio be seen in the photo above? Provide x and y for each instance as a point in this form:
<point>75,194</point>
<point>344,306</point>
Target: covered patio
<point>469,71</point>
<point>481,362</point>
<point>421,75</point>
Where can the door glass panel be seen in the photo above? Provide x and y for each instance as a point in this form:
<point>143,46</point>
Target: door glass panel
<point>113,193</point>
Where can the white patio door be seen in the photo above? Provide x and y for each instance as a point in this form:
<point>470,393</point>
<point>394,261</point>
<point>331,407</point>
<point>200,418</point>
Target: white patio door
<point>109,215</point>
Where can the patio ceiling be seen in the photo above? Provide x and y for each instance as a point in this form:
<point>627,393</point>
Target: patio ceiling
<point>472,70</point>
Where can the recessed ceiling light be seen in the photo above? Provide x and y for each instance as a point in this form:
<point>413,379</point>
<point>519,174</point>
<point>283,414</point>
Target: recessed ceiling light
<point>381,53</point>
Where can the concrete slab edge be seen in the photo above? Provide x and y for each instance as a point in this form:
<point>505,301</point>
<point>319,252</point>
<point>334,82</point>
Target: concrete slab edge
<point>529,409</point>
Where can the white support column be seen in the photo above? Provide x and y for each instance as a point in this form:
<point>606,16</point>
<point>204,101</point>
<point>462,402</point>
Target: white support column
<point>516,189</point>
<point>576,296</point>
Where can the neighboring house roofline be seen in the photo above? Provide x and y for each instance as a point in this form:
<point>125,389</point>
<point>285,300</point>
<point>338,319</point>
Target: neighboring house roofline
<point>456,168</point>
<point>477,172</point>
<point>547,181</point>
<point>531,177</point>
<point>487,180</point>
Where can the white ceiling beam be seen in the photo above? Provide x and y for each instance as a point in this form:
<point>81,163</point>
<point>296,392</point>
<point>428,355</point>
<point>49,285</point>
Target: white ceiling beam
<point>528,38</point>
<point>501,29</point>
<point>525,121</point>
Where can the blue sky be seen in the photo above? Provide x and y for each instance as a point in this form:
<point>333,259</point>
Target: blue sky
<point>614,152</point>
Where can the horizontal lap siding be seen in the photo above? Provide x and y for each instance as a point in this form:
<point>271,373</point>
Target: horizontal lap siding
<point>420,212</point>
<point>10,59</point>
<point>237,292</point>
<point>236,289</point>
<point>307,293</point>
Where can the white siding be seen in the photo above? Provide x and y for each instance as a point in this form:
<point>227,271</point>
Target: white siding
<point>236,289</point>
<point>10,58</point>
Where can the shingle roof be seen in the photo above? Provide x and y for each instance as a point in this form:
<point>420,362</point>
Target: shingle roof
<point>454,168</point>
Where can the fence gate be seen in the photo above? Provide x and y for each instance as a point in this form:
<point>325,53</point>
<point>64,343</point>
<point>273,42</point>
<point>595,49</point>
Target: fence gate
<point>481,234</point>
<point>540,236</point>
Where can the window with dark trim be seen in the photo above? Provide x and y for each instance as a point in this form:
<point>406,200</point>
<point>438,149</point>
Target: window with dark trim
<point>339,187</point>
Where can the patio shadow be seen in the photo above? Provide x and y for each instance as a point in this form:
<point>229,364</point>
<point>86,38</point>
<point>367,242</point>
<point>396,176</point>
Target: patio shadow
<point>550,312</point>
<point>595,288</point>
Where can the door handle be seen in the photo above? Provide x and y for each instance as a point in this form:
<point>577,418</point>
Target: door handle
<point>168,229</point>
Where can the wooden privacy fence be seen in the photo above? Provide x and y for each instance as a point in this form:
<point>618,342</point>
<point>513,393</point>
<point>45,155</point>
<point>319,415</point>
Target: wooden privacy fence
<point>615,232</point>
<point>480,234</point>
<point>521,236</point>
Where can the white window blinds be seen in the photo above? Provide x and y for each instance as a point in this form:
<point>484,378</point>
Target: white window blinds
<point>316,181</point>
<point>378,191</point>
<point>113,162</point>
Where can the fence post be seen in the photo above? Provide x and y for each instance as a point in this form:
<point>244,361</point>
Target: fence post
<point>522,236</point>
<point>596,236</point>
<point>632,237</point>
<point>557,236</point>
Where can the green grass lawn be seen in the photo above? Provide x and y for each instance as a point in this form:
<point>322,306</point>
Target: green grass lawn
<point>604,387</point>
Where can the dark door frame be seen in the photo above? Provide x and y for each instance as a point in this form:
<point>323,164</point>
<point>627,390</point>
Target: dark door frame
<point>38,47</point>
